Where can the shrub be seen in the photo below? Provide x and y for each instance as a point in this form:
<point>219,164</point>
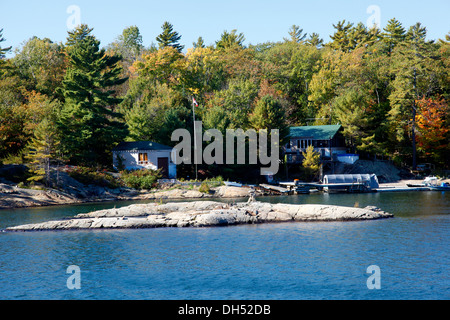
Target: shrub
<point>141,179</point>
<point>204,187</point>
<point>311,163</point>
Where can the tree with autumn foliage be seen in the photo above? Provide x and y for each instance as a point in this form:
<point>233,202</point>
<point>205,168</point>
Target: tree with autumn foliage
<point>389,89</point>
<point>433,126</point>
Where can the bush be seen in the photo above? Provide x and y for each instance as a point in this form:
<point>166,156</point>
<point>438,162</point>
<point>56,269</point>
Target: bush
<point>141,179</point>
<point>215,182</point>
<point>91,176</point>
<point>204,187</point>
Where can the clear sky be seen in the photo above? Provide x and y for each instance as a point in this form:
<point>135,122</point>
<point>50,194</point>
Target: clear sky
<point>259,20</point>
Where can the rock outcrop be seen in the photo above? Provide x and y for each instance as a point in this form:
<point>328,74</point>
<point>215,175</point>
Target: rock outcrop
<point>204,214</point>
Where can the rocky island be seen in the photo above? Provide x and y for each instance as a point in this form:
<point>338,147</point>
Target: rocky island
<point>204,214</point>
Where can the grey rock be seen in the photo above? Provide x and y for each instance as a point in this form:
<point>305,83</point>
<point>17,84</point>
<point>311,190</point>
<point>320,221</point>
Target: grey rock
<point>205,214</point>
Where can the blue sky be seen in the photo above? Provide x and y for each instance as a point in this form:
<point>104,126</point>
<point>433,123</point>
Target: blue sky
<point>259,20</point>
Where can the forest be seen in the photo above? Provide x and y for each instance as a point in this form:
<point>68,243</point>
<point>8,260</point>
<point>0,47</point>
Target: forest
<point>72,102</point>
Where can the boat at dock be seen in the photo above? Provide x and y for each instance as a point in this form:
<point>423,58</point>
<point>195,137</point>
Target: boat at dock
<point>349,183</point>
<point>440,188</point>
<point>432,183</point>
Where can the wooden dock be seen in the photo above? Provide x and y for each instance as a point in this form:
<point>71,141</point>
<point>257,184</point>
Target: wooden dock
<point>271,189</point>
<point>298,187</point>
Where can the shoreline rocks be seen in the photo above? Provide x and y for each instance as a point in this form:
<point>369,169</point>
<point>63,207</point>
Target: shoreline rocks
<point>204,214</point>
<point>13,197</point>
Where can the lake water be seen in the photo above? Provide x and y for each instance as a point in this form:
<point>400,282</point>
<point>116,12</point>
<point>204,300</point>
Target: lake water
<point>288,261</point>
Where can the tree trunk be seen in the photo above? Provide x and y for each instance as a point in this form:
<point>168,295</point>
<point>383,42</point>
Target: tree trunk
<point>413,129</point>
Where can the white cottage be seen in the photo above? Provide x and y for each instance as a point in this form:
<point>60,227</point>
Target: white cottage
<point>145,155</point>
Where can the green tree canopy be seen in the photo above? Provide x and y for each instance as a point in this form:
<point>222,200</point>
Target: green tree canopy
<point>169,37</point>
<point>89,126</point>
<point>296,34</point>
<point>41,64</point>
<point>230,40</point>
<point>393,34</point>
<point>269,114</point>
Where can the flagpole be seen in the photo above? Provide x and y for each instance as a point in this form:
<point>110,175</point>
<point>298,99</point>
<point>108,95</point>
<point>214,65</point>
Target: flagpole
<point>195,139</point>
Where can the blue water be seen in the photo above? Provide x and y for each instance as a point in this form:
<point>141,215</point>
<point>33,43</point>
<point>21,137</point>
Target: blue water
<point>289,261</point>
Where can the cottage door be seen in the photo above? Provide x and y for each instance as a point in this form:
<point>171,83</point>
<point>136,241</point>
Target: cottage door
<point>163,163</point>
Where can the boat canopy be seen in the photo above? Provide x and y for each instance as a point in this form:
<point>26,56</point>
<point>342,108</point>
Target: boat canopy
<point>352,178</point>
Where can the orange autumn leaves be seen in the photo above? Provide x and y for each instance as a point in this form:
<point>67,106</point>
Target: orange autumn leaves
<point>433,125</point>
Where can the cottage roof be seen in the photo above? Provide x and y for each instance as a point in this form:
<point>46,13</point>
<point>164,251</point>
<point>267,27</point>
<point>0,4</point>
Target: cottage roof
<point>325,132</point>
<point>140,145</point>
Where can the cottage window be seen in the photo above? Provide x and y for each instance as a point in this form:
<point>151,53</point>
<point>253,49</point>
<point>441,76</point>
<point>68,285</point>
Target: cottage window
<point>143,158</point>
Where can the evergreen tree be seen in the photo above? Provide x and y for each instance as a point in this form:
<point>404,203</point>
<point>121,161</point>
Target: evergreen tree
<point>351,110</point>
<point>42,150</point>
<point>416,33</point>
<point>341,37</point>
<point>296,34</point>
<point>415,64</point>
<point>3,51</point>
<point>88,124</point>
<point>199,44</point>
<point>230,40</point>
<point>358,35</point>
<point>393,34</point>
<point>269,114</point>
<point>314,40</point>
<point>446,40</point>
<point>169,37</point>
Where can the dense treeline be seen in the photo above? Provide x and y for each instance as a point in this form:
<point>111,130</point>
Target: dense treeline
<point>75,101</point>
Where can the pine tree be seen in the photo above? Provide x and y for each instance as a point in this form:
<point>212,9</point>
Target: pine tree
<point>393,34</point>
<point>341,37</point>
<point>314,40</point>
<point>296,34</point>
<point>199,44</point>
<point>230,40</point>
<point>42,150</point>
<point>351,110</point>
<point>88,123</point>
<point>169,37</point>
<point>416,33</point>
<point>3,51</point>
<point>415,65</point>
<point>446,40</point>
